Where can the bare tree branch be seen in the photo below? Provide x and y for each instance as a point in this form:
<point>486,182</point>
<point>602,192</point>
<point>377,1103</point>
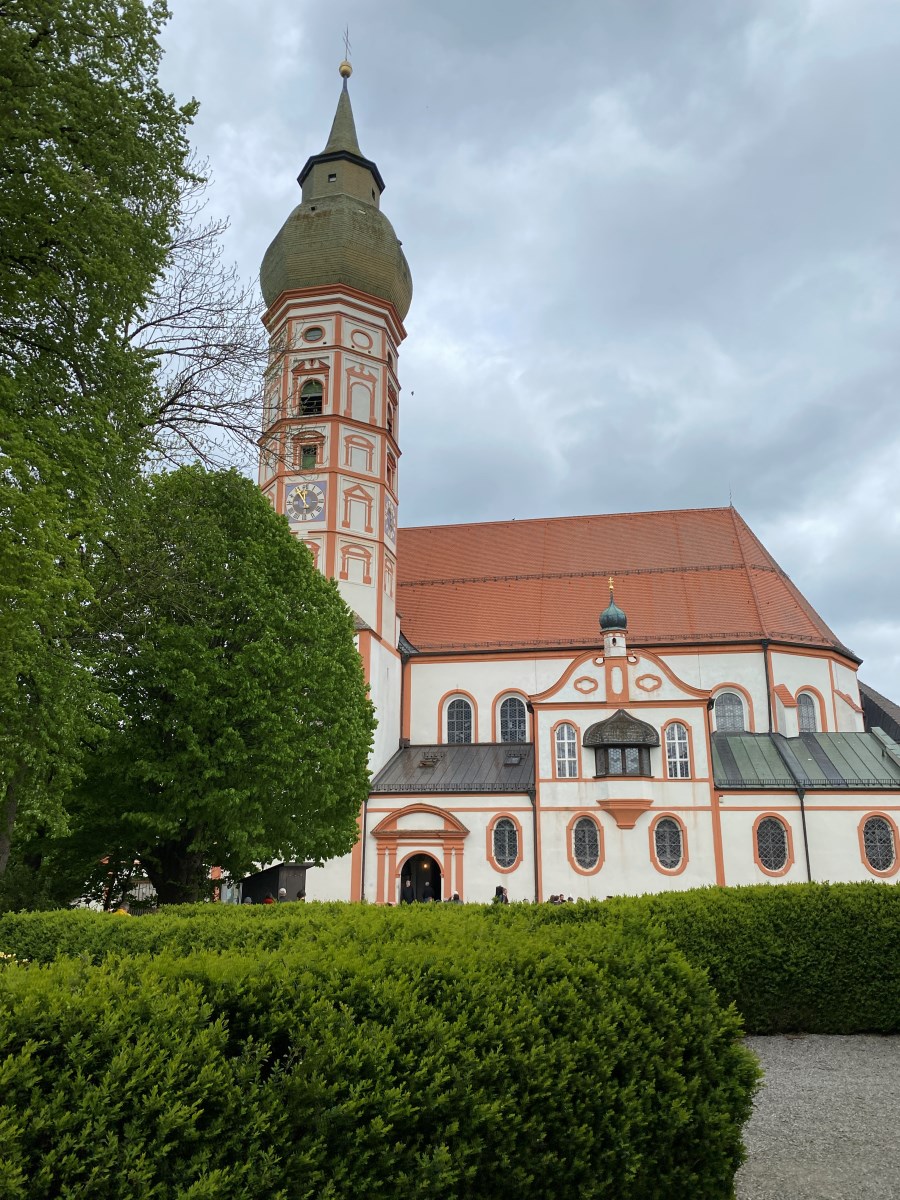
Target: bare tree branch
<point>202,327</point>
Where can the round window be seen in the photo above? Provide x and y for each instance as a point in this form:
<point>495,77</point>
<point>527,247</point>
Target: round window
<point>314,334</point>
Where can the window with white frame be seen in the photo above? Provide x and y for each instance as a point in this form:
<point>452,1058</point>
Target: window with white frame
<point>772,844</point>
<point>459,721</point>
<point>806,713</point>
<point>586,843</point>
<point>513,720</point>
<point>505,842</point>
<point>566,752</point>
<point>668,843</point>
<point>878,843</point>
<point>729,710</point>
<point>678,755</point>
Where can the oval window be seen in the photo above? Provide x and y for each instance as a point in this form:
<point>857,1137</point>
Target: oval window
<point>878,842</point>
<point>314,334</point>
<point>668,843</point>
<point>586,843</point>
<point>506,842</point>
<point>772,844</point>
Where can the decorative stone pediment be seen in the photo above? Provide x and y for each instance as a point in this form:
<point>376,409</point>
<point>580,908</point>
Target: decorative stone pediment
<point>621,729</point>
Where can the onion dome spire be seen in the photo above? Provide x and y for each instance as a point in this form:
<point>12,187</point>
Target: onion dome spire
<point>338,234</point>
<point>612,617</point>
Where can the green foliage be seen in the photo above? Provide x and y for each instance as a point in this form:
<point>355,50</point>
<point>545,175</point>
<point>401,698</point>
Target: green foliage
<point>243,727</point>
<point>421,1052</point>
<point>817,958</point>
<point>91,162</point>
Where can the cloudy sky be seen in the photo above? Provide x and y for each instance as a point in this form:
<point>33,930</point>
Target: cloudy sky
<point>654,245</point>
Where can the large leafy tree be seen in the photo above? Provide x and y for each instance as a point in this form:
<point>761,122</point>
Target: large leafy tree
<point>92,165</point>
<point>244,724</point>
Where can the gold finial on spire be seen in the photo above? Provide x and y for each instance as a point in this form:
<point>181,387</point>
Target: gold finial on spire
<point>610,584</point>
<point>345,69</point>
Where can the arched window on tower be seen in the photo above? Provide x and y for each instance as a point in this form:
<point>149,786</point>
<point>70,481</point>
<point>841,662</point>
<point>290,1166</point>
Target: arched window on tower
<point>729,711</point>
<point>513,720</point>
<point>806,713</point>
<point>459,721</point>
<point>311,398</point>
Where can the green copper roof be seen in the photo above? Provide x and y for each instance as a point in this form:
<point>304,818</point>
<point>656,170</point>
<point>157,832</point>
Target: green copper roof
<point>812,760</point>
<point>338,234</point>
<point>343,127</point>
<point>612,616</point>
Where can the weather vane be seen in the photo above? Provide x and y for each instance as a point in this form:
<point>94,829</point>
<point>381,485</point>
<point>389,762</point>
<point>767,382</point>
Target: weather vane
<point>347,44</point>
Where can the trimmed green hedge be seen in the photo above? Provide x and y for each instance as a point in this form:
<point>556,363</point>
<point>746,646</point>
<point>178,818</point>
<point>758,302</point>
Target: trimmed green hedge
<point>427,1052</point>
<point>816,958</point>
<point>819,958</point>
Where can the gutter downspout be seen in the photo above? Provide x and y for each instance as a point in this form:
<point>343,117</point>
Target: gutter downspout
<point>801,793</point>
<point>801,796</point>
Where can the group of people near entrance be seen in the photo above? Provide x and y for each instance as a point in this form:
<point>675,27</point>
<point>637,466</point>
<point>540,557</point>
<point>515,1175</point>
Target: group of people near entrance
<point>408,894</point>
<point>270,899</point>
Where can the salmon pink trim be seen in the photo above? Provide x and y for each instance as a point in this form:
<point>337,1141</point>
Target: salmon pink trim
<point>570,843</point>
<point>684,844</point>
<point>790,845</point>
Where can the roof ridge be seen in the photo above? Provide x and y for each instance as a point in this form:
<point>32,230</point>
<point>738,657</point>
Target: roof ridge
<point>646,512</point>
<point>752,582</point>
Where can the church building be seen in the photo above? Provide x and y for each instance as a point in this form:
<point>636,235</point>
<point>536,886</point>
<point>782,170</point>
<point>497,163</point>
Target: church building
<point>583,706</point>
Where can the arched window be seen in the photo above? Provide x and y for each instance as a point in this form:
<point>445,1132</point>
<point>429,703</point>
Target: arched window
<point>772,844</point>
<point>513,721</point>
<point>311,398</point>
<point>459,721</point>
<point>586,843</point>
<point>678,756</point>
<point>729,713</point>
<point>806,713</point>
<point>566,752</point>
<point>505,843</point>
<point>878,843</point>
<point>668,843</point>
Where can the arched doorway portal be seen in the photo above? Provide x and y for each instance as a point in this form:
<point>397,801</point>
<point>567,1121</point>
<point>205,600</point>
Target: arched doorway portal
<point>424,874</point>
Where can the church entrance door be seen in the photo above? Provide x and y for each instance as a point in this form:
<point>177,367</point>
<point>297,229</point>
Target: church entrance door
<point>424,874</point>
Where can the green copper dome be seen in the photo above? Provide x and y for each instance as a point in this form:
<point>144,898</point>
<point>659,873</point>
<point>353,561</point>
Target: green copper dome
<point>337,233</point>
<point>612,617</point>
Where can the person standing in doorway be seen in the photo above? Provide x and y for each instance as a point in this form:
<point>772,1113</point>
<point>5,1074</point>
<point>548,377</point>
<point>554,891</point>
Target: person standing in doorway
<point>407,895</point>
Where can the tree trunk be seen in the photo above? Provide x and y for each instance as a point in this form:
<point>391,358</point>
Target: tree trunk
<point>178,875</point>
<point>10,808</point>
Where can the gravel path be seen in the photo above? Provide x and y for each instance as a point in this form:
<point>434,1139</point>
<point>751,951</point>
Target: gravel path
<point>825,1125</point>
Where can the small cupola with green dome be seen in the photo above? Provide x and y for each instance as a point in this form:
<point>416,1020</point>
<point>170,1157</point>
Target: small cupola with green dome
<point>614,625</point>
<point>337,234</point>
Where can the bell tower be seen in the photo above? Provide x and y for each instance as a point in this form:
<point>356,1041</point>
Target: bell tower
<point>337,287</point>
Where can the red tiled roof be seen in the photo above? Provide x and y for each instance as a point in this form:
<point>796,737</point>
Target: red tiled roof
<point>695,576</point>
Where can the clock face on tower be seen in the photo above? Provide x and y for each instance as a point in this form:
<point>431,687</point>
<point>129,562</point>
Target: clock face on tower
<point>390,520</point>
<point>305,502</point>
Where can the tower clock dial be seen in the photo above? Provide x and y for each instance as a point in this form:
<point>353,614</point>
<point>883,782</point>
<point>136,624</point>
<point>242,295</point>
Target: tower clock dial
<point>390,520</point>
<point>305,501</point>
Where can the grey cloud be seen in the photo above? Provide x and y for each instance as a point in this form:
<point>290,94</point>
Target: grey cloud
<point>654,247</point>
